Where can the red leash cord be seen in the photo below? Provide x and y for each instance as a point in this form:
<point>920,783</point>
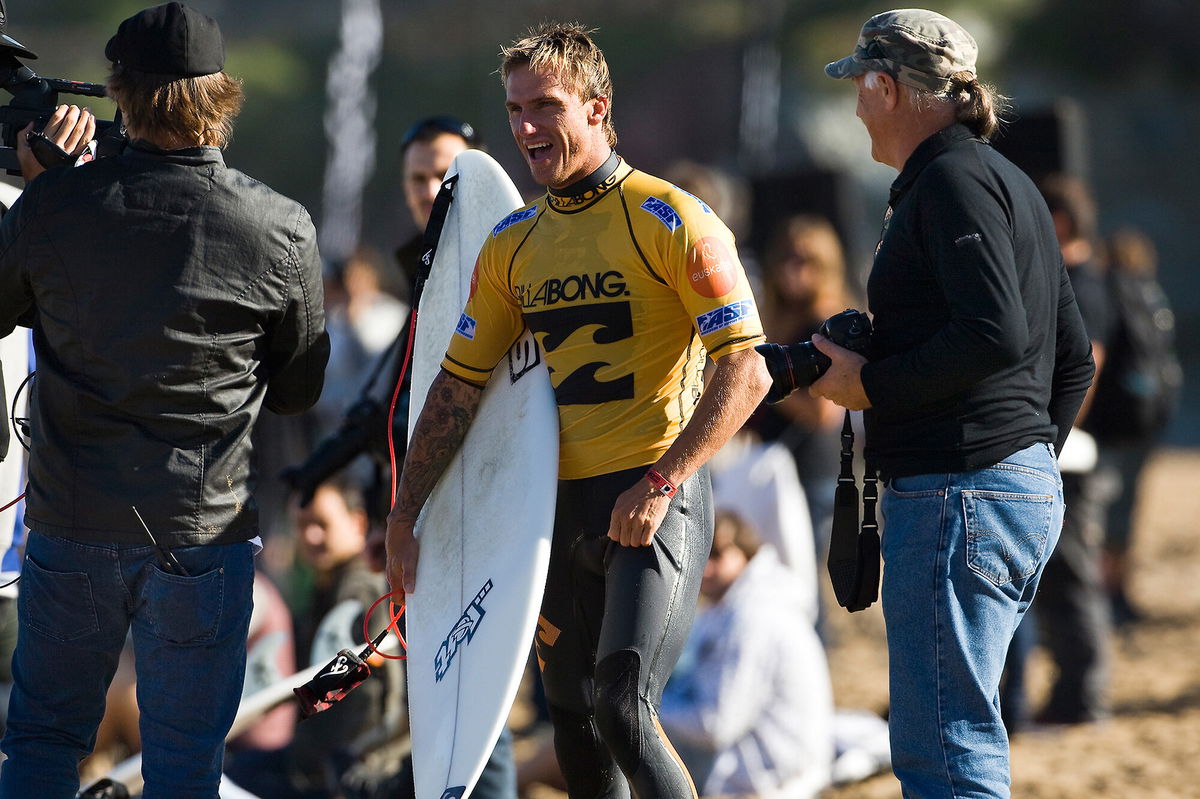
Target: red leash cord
<point>408,348</point>
<point>373,643</point>
<point>14,502</point>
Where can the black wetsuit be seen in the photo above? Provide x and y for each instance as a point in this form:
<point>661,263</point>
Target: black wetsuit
<point>614,620</point>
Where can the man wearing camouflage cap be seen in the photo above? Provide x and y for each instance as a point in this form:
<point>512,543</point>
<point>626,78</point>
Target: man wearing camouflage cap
<point>977,367</point>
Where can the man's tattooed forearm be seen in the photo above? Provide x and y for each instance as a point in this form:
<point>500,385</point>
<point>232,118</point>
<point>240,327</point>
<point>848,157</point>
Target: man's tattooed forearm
<point>449,410</point>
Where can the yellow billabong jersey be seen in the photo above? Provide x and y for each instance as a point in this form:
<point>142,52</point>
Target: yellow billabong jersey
<point>625,286</point>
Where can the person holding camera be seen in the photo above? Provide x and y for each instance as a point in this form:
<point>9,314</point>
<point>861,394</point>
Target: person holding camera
<point>976,368</point>
<point>626,282</point>
<point>171,298</point>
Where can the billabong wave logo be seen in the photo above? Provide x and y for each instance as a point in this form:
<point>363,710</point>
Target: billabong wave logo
<point>462,633</point>
<point>454,793</point>
<point>522,358</point>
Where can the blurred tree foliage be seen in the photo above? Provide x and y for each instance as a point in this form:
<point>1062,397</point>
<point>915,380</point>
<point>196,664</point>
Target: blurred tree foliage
<point>677,65</point>
<point>1130,44</point>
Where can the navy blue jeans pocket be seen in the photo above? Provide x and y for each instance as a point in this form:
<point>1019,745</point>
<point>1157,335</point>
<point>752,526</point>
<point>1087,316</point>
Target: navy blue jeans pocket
<point>59,605</point>
<point>1006,533</point>
<point>185,610</point>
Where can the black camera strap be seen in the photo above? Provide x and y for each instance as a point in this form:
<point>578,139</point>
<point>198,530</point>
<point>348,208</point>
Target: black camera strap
<point>853,549</point>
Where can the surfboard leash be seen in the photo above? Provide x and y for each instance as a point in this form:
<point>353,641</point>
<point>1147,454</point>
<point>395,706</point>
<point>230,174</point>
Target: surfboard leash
<point>348,669</point>
<point>394,615</point>
<point>14,502</point>
<point>430,238</point>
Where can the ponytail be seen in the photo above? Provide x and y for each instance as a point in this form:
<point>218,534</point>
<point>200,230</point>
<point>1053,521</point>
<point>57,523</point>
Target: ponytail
<point>979,106</point>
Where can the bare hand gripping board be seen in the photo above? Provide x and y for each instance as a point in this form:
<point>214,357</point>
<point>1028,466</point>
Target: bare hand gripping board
<point>485,531</point>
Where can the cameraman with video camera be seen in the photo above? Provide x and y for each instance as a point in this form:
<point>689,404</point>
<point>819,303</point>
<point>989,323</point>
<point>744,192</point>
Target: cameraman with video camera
<point>973,375</point>
<point>170,298</point>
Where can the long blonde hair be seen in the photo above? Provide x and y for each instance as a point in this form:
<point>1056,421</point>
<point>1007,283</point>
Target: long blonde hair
<point>197,111</point>
<point>566,49</point>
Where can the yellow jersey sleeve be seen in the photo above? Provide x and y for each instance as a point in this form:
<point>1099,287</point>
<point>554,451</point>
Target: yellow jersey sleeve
<point>491,320</point>
<point>697,256</point>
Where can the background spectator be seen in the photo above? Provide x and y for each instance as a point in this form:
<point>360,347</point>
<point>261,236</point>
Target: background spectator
<point>805,283</point>
<point>750,704</point>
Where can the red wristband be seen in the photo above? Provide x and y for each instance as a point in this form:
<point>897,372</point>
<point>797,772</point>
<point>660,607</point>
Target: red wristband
<point>661,484</point>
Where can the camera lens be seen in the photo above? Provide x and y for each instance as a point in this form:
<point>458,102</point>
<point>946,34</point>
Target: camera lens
<point>792,366</point>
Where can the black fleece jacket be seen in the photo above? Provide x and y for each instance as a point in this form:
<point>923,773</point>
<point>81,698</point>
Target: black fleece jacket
<point>979,350</point>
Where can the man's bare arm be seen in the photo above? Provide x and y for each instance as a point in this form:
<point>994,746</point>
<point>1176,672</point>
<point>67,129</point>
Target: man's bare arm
<point>737,386</point>
<point>448,412</point>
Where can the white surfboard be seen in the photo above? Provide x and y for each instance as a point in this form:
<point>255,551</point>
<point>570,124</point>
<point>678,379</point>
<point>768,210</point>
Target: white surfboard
<point>14,356</point>
<point>485,531</point>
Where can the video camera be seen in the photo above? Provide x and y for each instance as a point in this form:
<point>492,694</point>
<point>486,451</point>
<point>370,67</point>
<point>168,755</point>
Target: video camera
<point>34,98</point>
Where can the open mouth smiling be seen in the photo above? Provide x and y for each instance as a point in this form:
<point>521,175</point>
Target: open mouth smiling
<point>538,152</point>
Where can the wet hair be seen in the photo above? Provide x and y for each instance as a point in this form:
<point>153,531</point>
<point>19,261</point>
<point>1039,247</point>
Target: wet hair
<point>977,105</point>
<point>566,49</point>
<point>197,111</point>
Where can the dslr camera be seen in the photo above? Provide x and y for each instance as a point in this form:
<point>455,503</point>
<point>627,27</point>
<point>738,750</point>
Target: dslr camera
<point>800,365</point>
<point>34,99</point>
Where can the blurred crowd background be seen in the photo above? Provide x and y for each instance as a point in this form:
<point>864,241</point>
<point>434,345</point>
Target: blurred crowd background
<point>735,84</point>
<point>726,98</point>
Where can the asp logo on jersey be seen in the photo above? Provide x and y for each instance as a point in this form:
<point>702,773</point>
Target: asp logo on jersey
<point>465,327</point>
<point>712,269</point>
<point>724,316</point>
<point>512,219</point>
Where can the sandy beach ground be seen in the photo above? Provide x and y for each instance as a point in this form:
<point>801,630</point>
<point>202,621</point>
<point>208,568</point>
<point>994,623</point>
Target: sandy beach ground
<point>1150,749</point>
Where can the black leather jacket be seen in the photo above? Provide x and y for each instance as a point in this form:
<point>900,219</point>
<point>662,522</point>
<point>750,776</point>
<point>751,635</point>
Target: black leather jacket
<point>170,298</point>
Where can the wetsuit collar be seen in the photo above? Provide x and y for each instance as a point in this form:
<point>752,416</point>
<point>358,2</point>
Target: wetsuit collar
<point>584,192</point>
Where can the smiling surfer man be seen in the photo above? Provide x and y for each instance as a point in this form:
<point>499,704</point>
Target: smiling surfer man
<point>626,281</point>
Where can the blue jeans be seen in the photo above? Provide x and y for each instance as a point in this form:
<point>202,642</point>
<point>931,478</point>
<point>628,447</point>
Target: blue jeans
<point>962,557</point>
<point>76,603</point>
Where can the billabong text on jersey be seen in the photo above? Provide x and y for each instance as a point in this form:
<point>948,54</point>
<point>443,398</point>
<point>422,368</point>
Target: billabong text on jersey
<point>573,288</point>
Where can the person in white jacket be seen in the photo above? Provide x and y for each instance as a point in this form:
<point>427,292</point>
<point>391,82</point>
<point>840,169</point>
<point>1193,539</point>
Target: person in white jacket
<point>750,705</point>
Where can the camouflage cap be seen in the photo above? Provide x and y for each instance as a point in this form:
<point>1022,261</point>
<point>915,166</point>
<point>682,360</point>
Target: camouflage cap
<point>917,47</point>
